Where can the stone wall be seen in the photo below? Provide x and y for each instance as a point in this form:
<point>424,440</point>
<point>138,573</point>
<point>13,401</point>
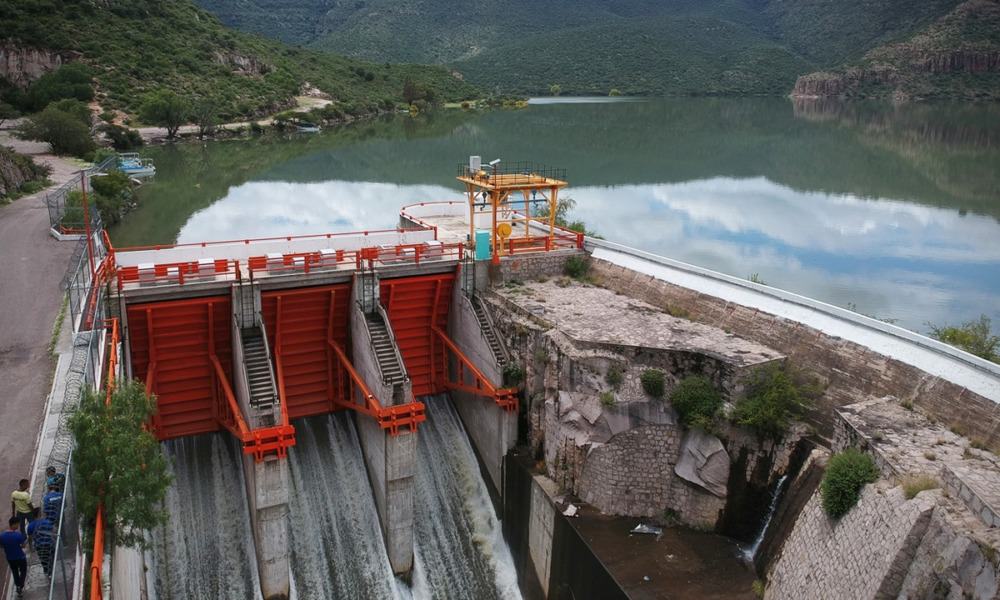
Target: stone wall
<point>850,371</point>
<point>863,555</point>
<point>524,268</point>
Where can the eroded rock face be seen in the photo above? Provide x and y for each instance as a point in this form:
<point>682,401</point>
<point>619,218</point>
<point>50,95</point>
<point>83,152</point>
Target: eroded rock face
<point>20,65</point>
<point>704,462</point>
<point>250,66</point>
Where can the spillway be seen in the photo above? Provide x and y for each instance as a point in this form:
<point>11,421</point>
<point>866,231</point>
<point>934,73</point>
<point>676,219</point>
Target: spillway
<point>205,551</point>
<point>336,543</point>
<point>460,550</point>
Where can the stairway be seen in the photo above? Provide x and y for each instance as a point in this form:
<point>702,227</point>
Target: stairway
<point>258,367</point>
<point>486,326</point>
<point>385,353</point>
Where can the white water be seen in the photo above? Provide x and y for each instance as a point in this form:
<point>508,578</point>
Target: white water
<point>460,550</point>
<point>205,552</point>
<point>336,544</point>
<point>751,552</point>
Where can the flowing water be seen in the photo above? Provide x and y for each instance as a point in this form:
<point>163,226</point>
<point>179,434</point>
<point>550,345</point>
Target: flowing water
<point>460,551</point>
<point>751,551</point>
<point>205,552</point>
<point>893,211</point>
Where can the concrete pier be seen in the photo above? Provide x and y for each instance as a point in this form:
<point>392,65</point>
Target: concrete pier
<point>390,459</point>
<point>268,482</point>
<point>492,429</point>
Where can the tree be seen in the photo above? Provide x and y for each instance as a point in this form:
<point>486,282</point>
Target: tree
<point>775,395</point>
<point>555,89</point>
<point>205,116</point>
<point>411,92</point>
<point>122,138</point>
<point>165,109</point>
<point>63,131</point>
<point>76,108</point>
<point>974,337</point>
<point>69,81</point>
<point>7,112</point>
<point>117,462</point>
<point>614,92</point>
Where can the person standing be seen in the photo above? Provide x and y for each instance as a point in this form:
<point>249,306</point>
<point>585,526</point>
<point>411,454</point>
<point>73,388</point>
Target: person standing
<point>20,504</point>
<point>54,478</point>
<point>13,542</point>
<point>42,539</point>
<point>52,504</point>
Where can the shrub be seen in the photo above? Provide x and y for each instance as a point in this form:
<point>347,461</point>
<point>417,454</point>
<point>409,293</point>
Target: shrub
<point>62,130</point>
<point>76,108</point>
<point>607,399</point>
<point>696,401</point>
<point>576,267</point>
<point>614,376</point>
<point>513,374</point>
<point>653,382</point>
<point>914,485</point>
<point>131,484</point>
<point>775,395</point>
<point>974,337</point>
<point>846,474</point>
<point>68,81</point>
<point>122,138</point>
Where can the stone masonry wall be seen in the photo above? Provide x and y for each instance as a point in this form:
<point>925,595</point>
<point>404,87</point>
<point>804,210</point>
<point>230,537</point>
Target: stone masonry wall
<point>863,555</point>
<point>851,372</point>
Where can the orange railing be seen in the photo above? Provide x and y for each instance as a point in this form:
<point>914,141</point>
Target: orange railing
<point>258,442</point>
<point>178,272</point>
<point>391,418</point>
<point>505,398</point>
<point>97,558</point>
<point>250,241</point>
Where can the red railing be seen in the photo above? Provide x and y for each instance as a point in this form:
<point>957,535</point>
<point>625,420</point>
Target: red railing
<point>249,241</point>
<point>97,558</point>
<point>179,272</point>
<point>403,417</point>
<point>505,398</point>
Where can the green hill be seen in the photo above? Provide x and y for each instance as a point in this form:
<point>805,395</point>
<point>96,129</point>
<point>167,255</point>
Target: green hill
<point>956,56</point>
<point>136,46</point>
<point>590,46</point>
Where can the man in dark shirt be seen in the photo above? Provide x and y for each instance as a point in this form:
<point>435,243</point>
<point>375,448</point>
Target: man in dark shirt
<point>54,478</point>
<point>13,541</point>
<point>42,538</point>
<point>52,504</point>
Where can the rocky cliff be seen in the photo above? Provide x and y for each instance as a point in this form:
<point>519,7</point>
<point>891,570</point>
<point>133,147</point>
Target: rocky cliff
<point>956,56</point>
<point>15,171</point>
<point>21,65</point>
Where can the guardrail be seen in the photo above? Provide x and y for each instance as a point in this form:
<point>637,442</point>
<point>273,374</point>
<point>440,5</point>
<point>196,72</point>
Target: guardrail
<point>890,333</point>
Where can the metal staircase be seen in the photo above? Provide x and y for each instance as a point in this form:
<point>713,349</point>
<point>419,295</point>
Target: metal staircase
<point>263,395</point>
<point>488,330</point>
<point>385,351</point>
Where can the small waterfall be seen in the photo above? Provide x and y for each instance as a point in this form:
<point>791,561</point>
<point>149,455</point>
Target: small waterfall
<point>751,552</point>
<point>206,550</point>
<point>336,544</point>
<point>460,551</point>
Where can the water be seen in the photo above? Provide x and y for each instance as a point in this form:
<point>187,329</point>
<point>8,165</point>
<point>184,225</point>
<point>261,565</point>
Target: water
<point>336,544</point>
<point>750,552</point>
<point>460,551</point>
<point>206,550</point>
<point>894,211</point>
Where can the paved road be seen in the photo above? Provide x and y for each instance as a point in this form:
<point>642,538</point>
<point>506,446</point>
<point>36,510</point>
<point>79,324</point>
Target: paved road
<point>31,266</point>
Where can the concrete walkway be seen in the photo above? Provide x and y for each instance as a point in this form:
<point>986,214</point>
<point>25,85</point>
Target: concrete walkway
<point>32,264</point>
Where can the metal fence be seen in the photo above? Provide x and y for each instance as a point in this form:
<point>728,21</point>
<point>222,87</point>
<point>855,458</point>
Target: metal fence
<point>77,283</point>
<point>67,541</point>
<point>64,204</point>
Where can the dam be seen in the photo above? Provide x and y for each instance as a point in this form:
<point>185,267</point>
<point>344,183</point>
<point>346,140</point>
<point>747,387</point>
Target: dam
<point>419,411</point>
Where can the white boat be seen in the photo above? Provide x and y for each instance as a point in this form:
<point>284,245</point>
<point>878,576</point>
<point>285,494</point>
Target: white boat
<point>307,127</point>
<point>133,165</point>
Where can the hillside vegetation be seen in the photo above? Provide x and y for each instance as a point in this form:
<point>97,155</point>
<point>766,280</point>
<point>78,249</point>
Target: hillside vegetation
<point>138,46</point>
<point>956,56</point>
<point>592,46</point>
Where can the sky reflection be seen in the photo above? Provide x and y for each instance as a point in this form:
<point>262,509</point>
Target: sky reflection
<point>892,259</point>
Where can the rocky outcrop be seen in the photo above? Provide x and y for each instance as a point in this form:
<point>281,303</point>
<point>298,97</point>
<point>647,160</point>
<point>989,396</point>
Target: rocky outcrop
<point>846,83</point>
<point>15,171</point>
<point>704,462</point>
<point>251,66</point>
<point>20,65</point>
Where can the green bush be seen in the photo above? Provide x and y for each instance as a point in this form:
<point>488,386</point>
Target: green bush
<point>122,138</point>
<point>118,462</point>
<point>775,395</point>
<point>607,399</point>
<point>653,382</point>
<point>513,374</point>
<point>576,267</point>
<point>975,337</point>
<point>696,401</point>
<point>614,376</point>
<point>69,81</point>
<point>111,192</point>
<point>76,108</point>
<point>62,130</point>
<point>846,474</point>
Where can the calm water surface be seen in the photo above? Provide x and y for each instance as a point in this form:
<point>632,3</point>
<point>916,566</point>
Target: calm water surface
<point>892,211</point>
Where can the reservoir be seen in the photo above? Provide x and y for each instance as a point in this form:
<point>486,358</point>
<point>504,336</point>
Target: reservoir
<point>891,211</point>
